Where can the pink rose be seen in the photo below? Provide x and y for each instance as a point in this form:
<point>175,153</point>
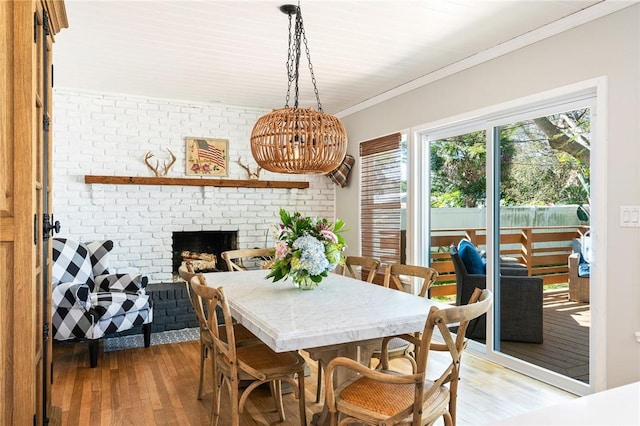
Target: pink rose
<point>281,249</point>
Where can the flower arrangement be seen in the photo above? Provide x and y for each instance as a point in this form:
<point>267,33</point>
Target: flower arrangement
<point>307,249</point>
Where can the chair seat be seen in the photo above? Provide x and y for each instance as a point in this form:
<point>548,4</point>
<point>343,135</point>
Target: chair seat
<point>119,311</point>
<point>381,400</point>
<point>396,349</point>
<point>113,304</point>
<point>122,322</point>
<point>263,358</point>
<point>398,345</point>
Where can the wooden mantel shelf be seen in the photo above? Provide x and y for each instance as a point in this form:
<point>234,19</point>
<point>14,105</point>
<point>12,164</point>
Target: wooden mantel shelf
<point>237,183</point>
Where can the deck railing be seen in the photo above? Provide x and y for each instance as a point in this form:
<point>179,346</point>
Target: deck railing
<point>543,250</point>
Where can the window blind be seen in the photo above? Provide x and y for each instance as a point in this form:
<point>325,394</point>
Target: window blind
<point>380,198</point>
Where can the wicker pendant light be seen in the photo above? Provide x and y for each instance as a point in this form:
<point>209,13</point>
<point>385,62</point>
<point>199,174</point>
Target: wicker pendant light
<point>298,140</point>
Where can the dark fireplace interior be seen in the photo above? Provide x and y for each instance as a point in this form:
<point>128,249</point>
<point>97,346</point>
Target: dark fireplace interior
<point>212,242</point>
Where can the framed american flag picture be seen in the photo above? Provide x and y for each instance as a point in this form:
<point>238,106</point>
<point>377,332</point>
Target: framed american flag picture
<point>207,157</point>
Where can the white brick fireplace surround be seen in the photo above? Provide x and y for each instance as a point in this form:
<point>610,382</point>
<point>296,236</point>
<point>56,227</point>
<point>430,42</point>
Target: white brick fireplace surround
<point>105,134</point>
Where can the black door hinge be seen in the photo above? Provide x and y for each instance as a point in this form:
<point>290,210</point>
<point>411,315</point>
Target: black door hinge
<point>35,229</point>
<point>45,122</point>
<point>35,27</point>
<point>45,23</point>
<point>45,331</point>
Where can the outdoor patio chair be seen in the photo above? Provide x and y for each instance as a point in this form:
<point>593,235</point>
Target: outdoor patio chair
<point>520,302</point>
<point>578,284</point>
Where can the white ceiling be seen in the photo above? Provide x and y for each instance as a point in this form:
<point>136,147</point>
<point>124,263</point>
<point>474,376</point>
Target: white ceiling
<point>234,52</point>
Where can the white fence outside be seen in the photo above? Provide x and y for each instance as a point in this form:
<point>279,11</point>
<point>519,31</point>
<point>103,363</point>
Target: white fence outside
<point>527,216</point>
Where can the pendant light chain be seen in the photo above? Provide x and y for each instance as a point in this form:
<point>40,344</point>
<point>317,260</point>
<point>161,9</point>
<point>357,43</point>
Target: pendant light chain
<point>293,60</point>
<point>306,48</point>
<point>290,67</point>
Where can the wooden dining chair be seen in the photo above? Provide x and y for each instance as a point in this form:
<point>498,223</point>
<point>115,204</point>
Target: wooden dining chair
<point>357,266</point>
<point>394,273</point>
<point>243,336</point>
<point>426,277</point>
<point>243,259</point>
<point>390,397</point>
<point>256,363</point>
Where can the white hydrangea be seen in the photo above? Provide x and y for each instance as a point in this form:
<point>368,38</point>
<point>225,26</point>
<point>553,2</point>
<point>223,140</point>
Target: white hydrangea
<point>312,258</point>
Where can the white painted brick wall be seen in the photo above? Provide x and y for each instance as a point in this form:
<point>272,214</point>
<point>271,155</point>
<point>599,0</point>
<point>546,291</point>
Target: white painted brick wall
<point>105,134</point>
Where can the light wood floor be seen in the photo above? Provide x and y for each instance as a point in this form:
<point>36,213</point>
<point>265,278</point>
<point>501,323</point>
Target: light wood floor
<point>158,385</point>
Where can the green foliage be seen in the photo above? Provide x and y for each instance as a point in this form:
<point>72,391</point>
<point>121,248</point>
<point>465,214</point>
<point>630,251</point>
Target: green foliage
<point>458,169</point>
<point>539,174</point>
<point>533,171</point>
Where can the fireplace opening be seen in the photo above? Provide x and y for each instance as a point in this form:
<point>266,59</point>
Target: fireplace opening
<point>204,248</point>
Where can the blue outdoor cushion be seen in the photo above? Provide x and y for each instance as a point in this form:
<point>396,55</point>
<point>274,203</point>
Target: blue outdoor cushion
<point>470,257</point>
<point>584,270</point>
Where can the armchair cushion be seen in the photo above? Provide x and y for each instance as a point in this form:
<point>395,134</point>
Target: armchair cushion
<point>100,252</point>
<point>120,312</point>
<point>132,283</point>
<point>113,304</point>
<point>584,270</point>
<point>470,257</point>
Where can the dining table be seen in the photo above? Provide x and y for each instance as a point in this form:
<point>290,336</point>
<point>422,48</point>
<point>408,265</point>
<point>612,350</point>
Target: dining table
<point>342,316</point>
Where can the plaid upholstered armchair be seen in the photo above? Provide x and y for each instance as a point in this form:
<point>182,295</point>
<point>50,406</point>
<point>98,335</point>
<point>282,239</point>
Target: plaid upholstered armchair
<point>89,302</point>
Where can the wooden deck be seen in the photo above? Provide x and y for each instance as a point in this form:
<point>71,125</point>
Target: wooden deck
<point>565,349</point>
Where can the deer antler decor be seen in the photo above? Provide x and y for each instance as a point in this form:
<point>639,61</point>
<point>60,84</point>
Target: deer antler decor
<point>252,175</point>
<point>165,167</point>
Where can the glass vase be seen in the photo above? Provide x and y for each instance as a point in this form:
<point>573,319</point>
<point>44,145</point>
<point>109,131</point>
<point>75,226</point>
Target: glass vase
<point>305,283</point>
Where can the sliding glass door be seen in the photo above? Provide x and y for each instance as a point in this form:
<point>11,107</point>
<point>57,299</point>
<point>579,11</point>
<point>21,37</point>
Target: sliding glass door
<point>542,205</point>
<point>515,187</point>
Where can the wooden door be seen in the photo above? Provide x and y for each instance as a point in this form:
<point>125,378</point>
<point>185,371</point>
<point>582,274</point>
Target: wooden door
<point>43,203</point>
<point>25,158</point>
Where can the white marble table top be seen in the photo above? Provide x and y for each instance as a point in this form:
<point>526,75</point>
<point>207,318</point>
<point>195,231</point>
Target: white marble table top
<point>339,310</point>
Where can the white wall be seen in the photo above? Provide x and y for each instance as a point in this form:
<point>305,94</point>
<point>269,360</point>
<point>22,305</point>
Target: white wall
<point>105,134</point>
<point>608,47</point>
